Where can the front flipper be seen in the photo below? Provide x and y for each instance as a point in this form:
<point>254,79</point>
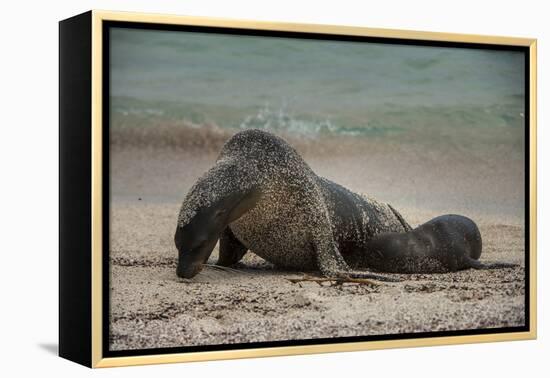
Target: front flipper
<point>332,265</point>
<point>231,249</point>
<point>329,260</point>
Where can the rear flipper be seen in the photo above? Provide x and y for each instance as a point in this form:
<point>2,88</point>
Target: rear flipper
<point>497,265</point>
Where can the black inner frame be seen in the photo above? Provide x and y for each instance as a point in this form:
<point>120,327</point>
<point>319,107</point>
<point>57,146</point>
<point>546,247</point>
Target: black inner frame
<point>106,25</point>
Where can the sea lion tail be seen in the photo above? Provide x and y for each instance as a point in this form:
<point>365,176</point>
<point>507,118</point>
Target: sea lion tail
<point>404,223</point>
<point>495,265</point>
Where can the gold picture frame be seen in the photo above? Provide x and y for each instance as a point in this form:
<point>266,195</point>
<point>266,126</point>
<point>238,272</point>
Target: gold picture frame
<point>92,326</point>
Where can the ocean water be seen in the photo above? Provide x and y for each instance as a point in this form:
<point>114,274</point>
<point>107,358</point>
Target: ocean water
<point>312,87</point>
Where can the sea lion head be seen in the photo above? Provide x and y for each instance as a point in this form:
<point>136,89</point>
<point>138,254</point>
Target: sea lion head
<point>217,199</point>
<point>196,239</point>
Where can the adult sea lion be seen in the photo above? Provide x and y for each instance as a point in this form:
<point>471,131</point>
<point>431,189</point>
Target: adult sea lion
<point>262,196</point>
<point>444,244</point>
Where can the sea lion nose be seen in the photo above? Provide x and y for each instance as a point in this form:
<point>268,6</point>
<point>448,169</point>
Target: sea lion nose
<point>180,272</point>
<point>188,271</point>
<point>185,273</point>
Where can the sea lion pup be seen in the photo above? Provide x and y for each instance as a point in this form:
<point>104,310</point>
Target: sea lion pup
<point>444,244</point>
<point>262,196</point>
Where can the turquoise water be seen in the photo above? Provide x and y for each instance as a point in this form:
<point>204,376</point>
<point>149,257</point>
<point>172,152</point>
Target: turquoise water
<point>312,87</point>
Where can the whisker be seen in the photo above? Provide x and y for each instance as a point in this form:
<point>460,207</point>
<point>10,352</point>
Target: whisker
<point>225,268</point>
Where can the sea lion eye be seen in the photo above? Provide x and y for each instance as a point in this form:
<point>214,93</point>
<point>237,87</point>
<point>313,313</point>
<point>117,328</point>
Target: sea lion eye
<point>220,212</point>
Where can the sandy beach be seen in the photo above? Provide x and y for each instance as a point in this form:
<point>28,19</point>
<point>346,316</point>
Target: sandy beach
<point>152,308</point>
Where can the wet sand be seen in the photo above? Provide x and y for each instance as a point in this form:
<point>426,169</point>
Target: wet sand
<point>152,308</point>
